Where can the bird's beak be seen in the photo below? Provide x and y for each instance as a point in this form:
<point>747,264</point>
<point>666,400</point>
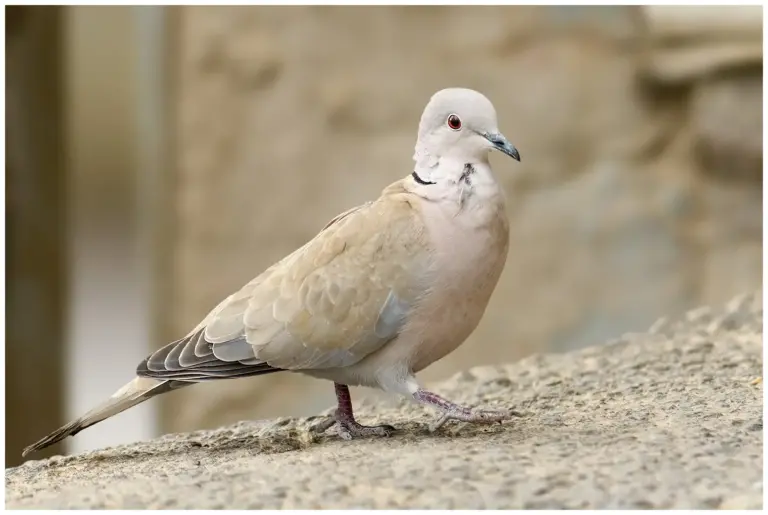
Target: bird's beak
<point>501,143</point>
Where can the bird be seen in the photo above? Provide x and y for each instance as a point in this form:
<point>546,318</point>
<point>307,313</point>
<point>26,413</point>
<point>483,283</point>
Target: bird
<point>384,290</point>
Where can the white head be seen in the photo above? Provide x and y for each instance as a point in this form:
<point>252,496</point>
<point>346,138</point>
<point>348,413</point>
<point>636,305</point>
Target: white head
<point>459,125</point>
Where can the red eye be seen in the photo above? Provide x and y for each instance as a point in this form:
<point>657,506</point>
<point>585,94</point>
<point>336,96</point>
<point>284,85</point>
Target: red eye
<point>454,122</point>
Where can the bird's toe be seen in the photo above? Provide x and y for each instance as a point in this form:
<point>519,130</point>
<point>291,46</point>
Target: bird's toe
<point>351,430</point>
<point>322,427</point>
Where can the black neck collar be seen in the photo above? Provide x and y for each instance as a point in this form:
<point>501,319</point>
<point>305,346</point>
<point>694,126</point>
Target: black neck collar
<point>419,179</point>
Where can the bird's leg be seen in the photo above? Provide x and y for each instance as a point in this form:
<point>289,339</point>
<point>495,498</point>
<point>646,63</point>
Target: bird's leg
<point>344,419</point>
<point>456,412</point>
<point>349,428</point>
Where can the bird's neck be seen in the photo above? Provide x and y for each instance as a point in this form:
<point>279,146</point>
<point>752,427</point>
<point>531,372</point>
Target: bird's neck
<point>452,178</point>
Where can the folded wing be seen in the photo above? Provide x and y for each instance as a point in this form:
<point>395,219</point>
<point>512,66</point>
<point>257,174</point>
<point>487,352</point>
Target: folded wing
<point>329,304</point>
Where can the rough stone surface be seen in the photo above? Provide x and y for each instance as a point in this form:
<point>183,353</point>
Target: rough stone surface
<point>671,418</point>
<point>615,216</point>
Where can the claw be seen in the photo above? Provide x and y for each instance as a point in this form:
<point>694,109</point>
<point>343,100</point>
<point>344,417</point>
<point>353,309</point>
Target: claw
<point>322,427</point>
<point>440,423</point>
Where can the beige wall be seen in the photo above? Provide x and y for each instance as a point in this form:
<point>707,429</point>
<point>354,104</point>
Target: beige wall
<point>638,194</point>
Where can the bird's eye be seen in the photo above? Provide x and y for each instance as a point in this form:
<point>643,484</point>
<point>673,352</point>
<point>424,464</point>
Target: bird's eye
<point>454,122</point>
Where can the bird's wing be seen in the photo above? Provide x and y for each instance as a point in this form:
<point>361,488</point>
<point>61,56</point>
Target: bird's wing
<point>337,299</point>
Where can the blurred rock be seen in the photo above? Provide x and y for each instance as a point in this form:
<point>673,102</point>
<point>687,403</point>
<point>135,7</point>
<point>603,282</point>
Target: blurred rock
<point>675,22</point>
<point>730,235</point>
<point>616,216</point>
<point>685,44</point>
<point>727,128</point>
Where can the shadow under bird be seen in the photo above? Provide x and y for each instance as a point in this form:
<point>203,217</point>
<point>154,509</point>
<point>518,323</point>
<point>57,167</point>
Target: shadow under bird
<point>383,291</point>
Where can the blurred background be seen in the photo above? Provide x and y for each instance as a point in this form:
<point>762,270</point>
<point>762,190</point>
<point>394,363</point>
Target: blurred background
<point>157,158</point>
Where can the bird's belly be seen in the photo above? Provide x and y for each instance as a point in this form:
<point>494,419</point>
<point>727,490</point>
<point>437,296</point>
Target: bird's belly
<point>449,315</point>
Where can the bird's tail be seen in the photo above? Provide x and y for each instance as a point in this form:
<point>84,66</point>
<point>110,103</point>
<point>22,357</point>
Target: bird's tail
<point>133,393</point>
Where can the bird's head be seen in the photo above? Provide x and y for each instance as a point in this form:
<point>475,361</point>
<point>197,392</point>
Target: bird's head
<point>460,124</point>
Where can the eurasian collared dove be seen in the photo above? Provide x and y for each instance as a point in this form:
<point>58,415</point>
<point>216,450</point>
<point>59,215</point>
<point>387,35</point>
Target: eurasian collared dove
<point>384,290</point>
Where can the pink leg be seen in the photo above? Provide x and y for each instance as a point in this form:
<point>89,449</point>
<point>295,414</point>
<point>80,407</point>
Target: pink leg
<point>344,418</point>
<point>456,412</point>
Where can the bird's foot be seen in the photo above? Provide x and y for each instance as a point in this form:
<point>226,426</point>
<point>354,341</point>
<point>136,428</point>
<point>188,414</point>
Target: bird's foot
<point>348,428</point>
<point>452,411</point>
<point>325,425</point>
<point>475,417</point>
<point>351,429</point>
<point>344,419</point>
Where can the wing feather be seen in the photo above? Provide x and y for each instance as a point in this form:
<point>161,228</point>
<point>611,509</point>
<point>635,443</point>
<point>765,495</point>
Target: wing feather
<point>337,299</point>
<point>346,294</point>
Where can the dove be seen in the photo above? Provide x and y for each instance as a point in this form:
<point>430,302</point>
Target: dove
<point>381,292</point>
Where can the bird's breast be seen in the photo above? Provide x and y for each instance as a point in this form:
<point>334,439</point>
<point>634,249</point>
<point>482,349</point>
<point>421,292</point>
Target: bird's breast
<point>470,249</point>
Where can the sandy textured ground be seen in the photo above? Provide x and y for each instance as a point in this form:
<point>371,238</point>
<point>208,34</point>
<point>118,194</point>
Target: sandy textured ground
<point>667,419</point>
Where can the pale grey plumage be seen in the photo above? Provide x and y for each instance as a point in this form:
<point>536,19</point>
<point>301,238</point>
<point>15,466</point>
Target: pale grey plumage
<point>385,288</point>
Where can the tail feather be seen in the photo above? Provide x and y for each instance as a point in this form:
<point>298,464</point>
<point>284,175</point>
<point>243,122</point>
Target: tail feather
<point>133,393</point>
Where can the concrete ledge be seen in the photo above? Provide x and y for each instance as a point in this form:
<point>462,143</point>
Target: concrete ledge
<point>671,418</point>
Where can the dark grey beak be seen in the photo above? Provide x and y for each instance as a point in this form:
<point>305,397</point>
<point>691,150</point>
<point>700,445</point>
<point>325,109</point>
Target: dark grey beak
<point>502,144</point>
